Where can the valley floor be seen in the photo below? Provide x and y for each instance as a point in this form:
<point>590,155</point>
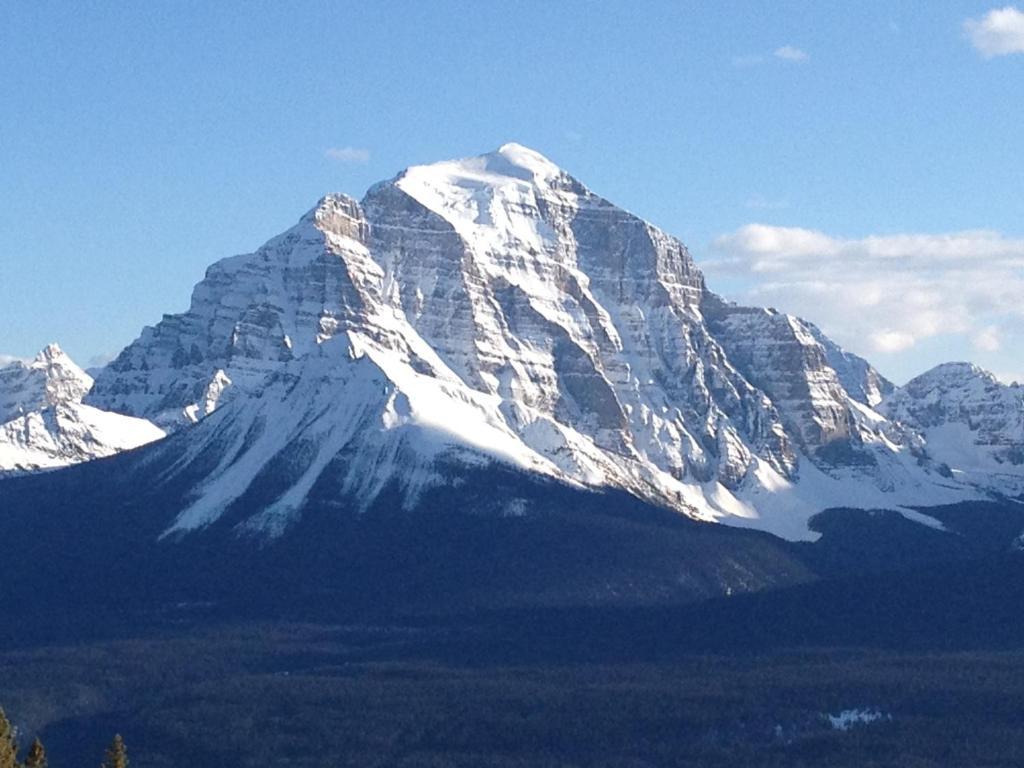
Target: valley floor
<point>455,694</point>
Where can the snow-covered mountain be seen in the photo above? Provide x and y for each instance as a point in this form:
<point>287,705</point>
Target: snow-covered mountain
<point>970,422</point>
<point>493,309</point>
<point>44,424</point>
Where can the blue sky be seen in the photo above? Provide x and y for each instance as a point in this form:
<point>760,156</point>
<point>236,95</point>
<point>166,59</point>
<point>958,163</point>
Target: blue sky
<point>857,163</point>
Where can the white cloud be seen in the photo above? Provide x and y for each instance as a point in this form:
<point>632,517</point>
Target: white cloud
<point>892,341</point>
<point>882,293</point>
<point>988,339</point>
<point>998,33</point>
<point>354,155</point>
<point>790,53</point>
<point>8,359</point>
<point>759,203</point>
<point>787,53</point>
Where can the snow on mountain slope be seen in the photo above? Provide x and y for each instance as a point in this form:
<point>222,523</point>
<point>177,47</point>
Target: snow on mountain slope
<point>970,421</point>
<point>44,425</point>
<point>860,380</point>
<point>339,401</point>
<point>497,307</point>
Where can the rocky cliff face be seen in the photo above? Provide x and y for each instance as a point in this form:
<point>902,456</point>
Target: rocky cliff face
<point>494,309</point>
<point>44,425</point>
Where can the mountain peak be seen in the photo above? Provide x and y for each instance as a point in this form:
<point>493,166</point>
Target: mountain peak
<point>338,213</point>
<point>51,379</point>
<point>954,372</point>
<point>52,352</point>
<point>512,147</point>
<point>969,420</point>
<point>43,423</point>
<point>509,163</point>
<point>522,157</point>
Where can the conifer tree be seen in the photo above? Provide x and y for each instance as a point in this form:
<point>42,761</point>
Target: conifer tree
<point>36,757</point>
<point>8,743</point>
<point>117,754</point>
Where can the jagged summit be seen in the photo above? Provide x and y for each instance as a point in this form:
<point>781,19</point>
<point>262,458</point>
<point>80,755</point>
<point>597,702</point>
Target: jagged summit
<point>51,351</point>
<point>43,423</point>
<point>51,378</point>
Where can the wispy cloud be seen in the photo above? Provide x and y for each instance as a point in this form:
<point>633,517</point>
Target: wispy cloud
<point>8,359</point>
<point>882,293</point>
<point>787,53</point>
<point>353,155</point>
<point>887,340</point>
<point>988,339</point>
<point>749,60</point>
<point>999,32</point>
<point>759,203</point>
<point>790,53</point>
<point>100,360</point>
